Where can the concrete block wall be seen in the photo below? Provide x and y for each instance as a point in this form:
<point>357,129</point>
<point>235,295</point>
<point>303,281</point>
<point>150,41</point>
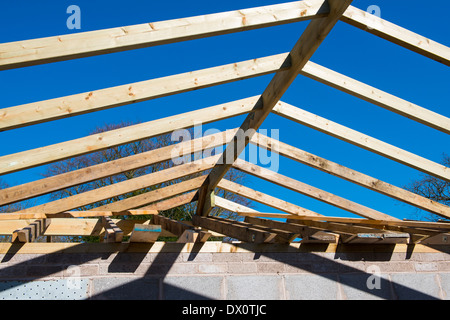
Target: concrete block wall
<point>210,274</point>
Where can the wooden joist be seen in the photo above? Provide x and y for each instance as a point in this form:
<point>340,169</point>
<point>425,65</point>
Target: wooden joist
<point>361,140</point>
<point>378,238</point>
<point>64,47</point>
<point>112,232</point>
<point>146,198</point>
<point>282,235</point>
<point>376,96</point>
<point>339,228</point>
<point>301,231</point>
<point>71,46</point>
<point>312,234</point>
<point>31,232</point>
<point>69,106</point>
<point>350,175</point>
<point>241,231</point>
<point>310,40</point>
<point>96,142</point>
<point>146,233</point>
<point>186,233</point>
<point>310,191</point>
<point>110,168</point>
<point>391,32</point>
<point>348,231</point>
<point>349,228</point>
<point>126,186</point>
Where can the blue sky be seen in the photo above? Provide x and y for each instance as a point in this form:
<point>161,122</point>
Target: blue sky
<point>347,50</point>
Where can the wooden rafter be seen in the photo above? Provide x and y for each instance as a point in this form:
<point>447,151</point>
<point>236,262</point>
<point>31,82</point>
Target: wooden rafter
<point>361,140</point>
<point>401,36</point>
<point>44,155</point>
<point>349,233</point>
<point>126,186</point>
<point>72,46</point>
<point>44,111</point>
<point>310,40</point>
<point>172,202</point>
<point>110,168</point>
<point>350,175</point>
<point>64,47</point>
<point>310,191</point>
<point>376,96</point>
<point>231,206</point>
<point>155,195</point>
<point>307,233</point>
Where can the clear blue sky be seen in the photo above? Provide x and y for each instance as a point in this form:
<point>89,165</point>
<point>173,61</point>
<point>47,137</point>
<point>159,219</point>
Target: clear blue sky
<point>347,50</point>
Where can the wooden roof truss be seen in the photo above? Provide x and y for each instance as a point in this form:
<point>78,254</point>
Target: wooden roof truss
<point>58,218</point>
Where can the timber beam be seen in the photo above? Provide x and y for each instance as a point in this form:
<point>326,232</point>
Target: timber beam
<point>309,191</point>
<point>101,141</point>
<point>301,231</point>
<point>112,232</point>
<point>72,214</point>
<point>242,231</point>
<point>350,175</point>
<point>186,233</point>
<point>126,186</point>
<point>398,35</point>
<point>144,200</point>
<point>31,232</point>
<point>376,96</point>
<point>310,40</point>
<point>145,233</point>
<point>59,108</point>
<point>172,202</point>
<point>378,224</point>
<point>361,140</point>
<point>110,168</point>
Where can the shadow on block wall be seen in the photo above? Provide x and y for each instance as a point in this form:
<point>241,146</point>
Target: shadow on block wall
<point>121,281</point>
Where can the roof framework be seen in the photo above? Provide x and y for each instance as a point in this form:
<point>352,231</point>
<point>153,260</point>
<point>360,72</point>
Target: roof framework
<point>57,218</point>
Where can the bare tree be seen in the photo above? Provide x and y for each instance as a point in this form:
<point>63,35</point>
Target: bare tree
<point>432,188</point>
